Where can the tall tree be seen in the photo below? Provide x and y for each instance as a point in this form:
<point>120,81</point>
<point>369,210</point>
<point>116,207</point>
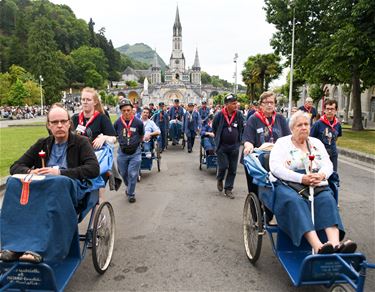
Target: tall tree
<point>335,42</point>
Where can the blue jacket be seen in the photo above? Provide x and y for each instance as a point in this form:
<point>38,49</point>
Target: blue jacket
<point>206,129</point>
<point>173,112</point>
<point>156,118</point>
<point>204,113</point>
<point>218,124</point>
<point>194,123</point>
<point>328,136</point>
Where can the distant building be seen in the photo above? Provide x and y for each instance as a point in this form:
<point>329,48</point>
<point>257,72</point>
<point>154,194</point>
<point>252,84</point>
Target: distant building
<point>184,84</point>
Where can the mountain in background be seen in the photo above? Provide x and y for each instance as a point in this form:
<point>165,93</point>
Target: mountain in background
<point>141,52</point>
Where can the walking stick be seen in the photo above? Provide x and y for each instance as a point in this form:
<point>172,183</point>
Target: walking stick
<point>311,193</point>
<point>42,156</point>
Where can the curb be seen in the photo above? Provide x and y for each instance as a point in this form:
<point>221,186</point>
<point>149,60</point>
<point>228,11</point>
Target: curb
<point>364,157</point>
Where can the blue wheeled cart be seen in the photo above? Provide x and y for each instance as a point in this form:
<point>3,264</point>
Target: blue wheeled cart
<point>55,275</point>
<point>336,271</point>
<point>147,163</point>
<point>209,160</point>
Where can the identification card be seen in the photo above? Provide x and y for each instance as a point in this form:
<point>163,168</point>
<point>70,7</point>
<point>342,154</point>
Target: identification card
<point>80,129</point>
<point>260,130</point>
<point>132,129</point>
<point>235,125</point>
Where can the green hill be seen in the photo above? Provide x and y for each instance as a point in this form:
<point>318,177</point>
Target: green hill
<point>141,52</point>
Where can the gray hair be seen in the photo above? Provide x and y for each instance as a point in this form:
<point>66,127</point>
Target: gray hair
<point>299,114</point>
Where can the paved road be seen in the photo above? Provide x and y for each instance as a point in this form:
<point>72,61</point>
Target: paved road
<point>181,234</point>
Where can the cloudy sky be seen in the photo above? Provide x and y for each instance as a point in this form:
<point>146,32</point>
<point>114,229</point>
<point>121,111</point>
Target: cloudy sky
<point>218,28</point>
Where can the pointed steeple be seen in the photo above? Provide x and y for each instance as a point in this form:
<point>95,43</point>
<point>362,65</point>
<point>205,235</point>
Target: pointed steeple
<point>196,65</point>
<point>177,28</point>
<point>155,64</point>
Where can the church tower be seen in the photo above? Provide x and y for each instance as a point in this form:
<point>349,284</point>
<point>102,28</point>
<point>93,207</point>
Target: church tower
<point>155,71</point>
<point>177,61</point>
<point>196,70</point>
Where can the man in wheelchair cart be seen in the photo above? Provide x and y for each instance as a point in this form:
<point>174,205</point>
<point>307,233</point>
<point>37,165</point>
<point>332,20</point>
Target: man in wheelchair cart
<point>176,114</point>
<point>38,224</point>
<point>151,132</point>
<point>208,136</point>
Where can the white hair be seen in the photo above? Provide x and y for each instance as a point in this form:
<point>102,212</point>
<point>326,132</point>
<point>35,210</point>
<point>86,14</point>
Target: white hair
<point>296,116</point>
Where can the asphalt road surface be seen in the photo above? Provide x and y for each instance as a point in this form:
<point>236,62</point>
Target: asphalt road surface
<point>183,235</point>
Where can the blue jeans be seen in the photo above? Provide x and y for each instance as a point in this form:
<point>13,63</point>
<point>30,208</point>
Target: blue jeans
<point>147,146</point>
<point>175,130</point>
<point>208,143</point>
<point>227,161</point>
<point>128,166</point>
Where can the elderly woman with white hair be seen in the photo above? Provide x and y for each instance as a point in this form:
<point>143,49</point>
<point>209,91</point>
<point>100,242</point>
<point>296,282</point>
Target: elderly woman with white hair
<point>300,161</point>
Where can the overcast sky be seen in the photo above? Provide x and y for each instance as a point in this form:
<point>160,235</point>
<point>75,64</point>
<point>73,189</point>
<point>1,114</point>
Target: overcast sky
<point>218,28</point>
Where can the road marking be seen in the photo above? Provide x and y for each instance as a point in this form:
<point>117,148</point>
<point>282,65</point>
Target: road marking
<point>368,168</point>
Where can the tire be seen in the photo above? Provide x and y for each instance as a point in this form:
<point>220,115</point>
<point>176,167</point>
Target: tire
<point>341,288</point>
<point>200,157</point>
<point>158,156</point>
<point>252,227</point>
<point>103,240</point>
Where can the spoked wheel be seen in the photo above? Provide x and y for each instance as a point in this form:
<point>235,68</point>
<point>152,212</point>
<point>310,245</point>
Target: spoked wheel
<point>139,176</point>
<point>158,156</point>
<point>341,288</point>
<point>252,227</point>
<point>103,237</point>
<point>200,157</point>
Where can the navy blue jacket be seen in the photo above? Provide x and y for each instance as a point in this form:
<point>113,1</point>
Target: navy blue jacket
<point>195,122</point>
<point>218,125</point>
<point>328,136</point>
<point>156,118</point>
<point>173,112</point>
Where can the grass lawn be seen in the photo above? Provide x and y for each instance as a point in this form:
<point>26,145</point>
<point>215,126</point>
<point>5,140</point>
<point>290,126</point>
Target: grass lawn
<point>14,141</point>
<point>362,141</point>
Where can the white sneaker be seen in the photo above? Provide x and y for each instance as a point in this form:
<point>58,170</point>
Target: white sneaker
<point>148,155</point>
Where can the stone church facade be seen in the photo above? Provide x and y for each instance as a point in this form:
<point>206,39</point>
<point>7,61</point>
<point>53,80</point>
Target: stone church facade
<point>181,83</point>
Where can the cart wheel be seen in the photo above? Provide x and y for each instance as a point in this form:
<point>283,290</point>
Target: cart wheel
<point>341,288</point>
<point>200,157</point>
<point>139,176</point>
<point>252,227</point>
<point>158,156</point>
<point>103,240</point>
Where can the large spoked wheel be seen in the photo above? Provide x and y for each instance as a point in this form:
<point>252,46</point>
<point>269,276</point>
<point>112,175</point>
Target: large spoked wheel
<point>200,157</point>
<point>341,288</point>
<point>252,227</point>
<point>103,240</point>
<point>158,156</point>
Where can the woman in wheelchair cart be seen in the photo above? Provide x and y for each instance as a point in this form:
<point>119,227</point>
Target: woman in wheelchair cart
<point>35,229</point>
<point>301,162</point>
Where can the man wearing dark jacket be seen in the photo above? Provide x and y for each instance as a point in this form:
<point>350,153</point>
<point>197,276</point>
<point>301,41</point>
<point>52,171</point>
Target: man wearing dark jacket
<point>227,127</point>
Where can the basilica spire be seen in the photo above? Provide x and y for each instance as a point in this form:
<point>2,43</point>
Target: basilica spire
<point>177,28</point>
<point>155,64</point>
<point>196,65</point>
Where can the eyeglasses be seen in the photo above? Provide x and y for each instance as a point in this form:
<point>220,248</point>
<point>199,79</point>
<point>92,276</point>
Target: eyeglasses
<point>330,109</point>
<point>268,102</point>
<point>62,122</point>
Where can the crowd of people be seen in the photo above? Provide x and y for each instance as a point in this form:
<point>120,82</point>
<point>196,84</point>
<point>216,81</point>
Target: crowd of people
<point>21,112</point>
<point>222,129</point>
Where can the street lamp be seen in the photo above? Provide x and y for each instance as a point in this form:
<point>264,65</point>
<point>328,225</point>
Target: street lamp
<point>41,93</point>
<point>235,73</point>
<point>291,64</point>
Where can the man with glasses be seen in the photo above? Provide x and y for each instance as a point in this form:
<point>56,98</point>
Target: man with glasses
<point>327,129</point>
<point>308,108</point>
<point>264,126</point>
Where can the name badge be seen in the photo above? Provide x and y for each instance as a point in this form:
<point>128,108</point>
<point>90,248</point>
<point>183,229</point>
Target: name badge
<point>80,129</point>
<point>260,130</point>
<point>235,125</point>
<point>132,129</point>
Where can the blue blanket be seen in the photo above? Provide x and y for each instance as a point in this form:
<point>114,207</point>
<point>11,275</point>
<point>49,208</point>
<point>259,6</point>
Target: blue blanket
<point>46,223</point>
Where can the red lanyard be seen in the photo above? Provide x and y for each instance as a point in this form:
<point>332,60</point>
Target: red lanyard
<point>127,126</point>
<point>90,121</point>
<point>327,122</point>
<point>226,116</point>
<point>260,115</point>
<point>307,109</point>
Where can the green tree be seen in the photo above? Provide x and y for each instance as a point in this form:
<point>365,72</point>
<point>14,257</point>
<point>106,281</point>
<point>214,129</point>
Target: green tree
<point>335,42</point>
<point>18,93</point>
<point>5,84</point>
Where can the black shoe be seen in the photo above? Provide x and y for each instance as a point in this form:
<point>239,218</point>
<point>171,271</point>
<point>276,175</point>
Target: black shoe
<point>189,151</point>
<point>326,248</point>
<point>229,194</point>
<point>220,186</point>
<point>346,247</point>
<point>131,200</point>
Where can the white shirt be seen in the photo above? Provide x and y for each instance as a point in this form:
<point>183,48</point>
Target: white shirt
<point>286,159</point>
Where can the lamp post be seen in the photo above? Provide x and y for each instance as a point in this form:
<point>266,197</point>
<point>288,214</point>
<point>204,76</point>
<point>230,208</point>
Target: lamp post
<point>41,93</point>
<point>235,72</point>
<point>291,64</point>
